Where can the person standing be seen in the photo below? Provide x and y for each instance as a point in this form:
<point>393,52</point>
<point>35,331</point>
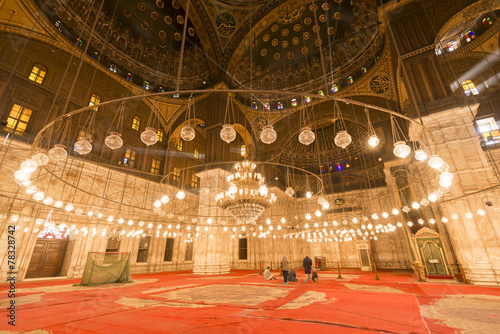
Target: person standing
<point>307,264</point>
<point>285,266</point>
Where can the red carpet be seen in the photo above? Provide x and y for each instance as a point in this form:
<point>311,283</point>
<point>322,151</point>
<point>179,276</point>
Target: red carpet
<point>242,302</point>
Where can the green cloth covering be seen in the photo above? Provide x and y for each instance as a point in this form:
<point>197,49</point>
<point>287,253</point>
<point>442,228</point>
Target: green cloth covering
<point>103,268</point>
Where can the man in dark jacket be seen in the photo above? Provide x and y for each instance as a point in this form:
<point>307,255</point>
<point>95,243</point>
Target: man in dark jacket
<point>307,264</point>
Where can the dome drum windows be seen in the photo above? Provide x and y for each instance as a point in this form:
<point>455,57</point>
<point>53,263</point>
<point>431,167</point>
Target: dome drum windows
<point>136,123</point>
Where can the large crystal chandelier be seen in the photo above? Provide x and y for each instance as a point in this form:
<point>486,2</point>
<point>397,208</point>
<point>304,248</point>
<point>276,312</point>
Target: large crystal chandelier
<point>247,196</point>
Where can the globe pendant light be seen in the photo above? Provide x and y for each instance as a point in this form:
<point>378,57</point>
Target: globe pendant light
<point>204,191</point>
<point>435,161</point>
<point>445,183</point>
<point>187,132</point>
<point>343,139</point>
<point>289,191</point>
<point>40,159</point>
<point>401,150</point>
<point>29,165</point>
<point>268,135</point>
<point>149,136</point>
<point>306,136</point>
<point>83,146</point>
<point>420,155</point>
<point>114,140</point>
<point>38,196</point>
<point>373,140</point>
<point>22,175</point>
<point>58,152</point>
<point>180,195</point>
<point>228,133</point>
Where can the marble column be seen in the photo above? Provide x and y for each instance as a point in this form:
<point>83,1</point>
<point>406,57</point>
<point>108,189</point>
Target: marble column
<point>211,254</point>
<point>474,238</point>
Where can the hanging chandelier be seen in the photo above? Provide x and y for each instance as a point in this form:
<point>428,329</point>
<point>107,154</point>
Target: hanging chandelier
<point>247,196</point>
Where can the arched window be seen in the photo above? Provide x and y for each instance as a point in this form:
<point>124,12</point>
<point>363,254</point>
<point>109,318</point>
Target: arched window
<point>159,133</point>
<point>145,85</point>
<point>136,123</point>
<point>243,150</point>
<point>335,88</point>
<point>469,88</point>
<point>94,99</point>
<point>196,153</point>
<point>179,146</point>
<point>350,80</point>
<point>363,70</point>
<point>38,73</point>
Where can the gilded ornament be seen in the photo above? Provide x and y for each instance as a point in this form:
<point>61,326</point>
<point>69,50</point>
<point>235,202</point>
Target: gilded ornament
<point>380,84</point>
<point>290,55</point>
<point>325,6</point>
<point>322,18</point>
<point>306,35</point>
<point>304,50</point>
<point>275,42</point>
<point>263,52</point>
<point>297,27</point>
<point>284,32</point>
<point>337,16</point>
<point>265,38</point>
<point>284,44</point>
<point>277,56</point>
<point>295,40</point>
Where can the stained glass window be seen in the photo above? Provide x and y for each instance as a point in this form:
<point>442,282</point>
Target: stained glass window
<point>279,105</point>
<point>294,102</point>
<point>307,99</point>
<point>363,70</point>
<point>350,80</point>
<point>469,35</point>
<point>159,132</point>
<point>335,88</point>
<point>254,105</point>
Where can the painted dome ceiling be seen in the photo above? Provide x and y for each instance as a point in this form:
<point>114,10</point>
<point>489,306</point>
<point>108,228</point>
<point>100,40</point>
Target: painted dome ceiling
<point>226,40</point>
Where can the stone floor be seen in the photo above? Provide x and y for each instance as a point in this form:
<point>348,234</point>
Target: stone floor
<point>243,302</point>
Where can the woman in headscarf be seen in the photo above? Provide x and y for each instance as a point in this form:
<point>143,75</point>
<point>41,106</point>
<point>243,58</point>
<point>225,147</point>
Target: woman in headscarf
<point>285,266</point>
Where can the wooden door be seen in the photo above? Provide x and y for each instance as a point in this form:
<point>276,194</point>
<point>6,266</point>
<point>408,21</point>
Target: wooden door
<point>47,258</point>
<point>434,260</point>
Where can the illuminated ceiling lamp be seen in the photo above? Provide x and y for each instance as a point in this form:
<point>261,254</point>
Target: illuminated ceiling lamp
<point>342,138</point>
<point>114,140</point>
<point>228,133</point>
<point>187,131</point>
<point>401,149</point>
<point>373,140</point>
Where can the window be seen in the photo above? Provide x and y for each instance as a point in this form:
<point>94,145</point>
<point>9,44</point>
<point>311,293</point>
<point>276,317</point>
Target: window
<point>129,76</point>
<point>179,146</point>
<point>321,93</point>
<point>129,158</point>
<point>38,74</point>
<point>161,89</point>
<point>159,132</point>
<point>254,105</point>
<point>469,88</point>
<point>136,123</point>
<point>487,21</point>
<point>307,99</point>
<point>18,119</point>
<point>469,35</point>
<point>145,85</point>
<point>58,25</point>
<point>452,46</point>
<point>279,105</point>
<point>169,250</point>
<point>189,252</point>
<point>112,246</point>
<point>142,253</point>
<point>243,150</point>
<point>350,80</point>
<point>177,174</point>
<point>243,249</point>
<point>155,166</point>
<point>363,70</point>
<point>195,181</point>
<point>294,102</point>
<point>97,55</point>
<point>487,124</point>
<point>335,88</point>
<point>79,42</point>
<point>94,99</point>
<point>112,68</point>
<point>196,153</point>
